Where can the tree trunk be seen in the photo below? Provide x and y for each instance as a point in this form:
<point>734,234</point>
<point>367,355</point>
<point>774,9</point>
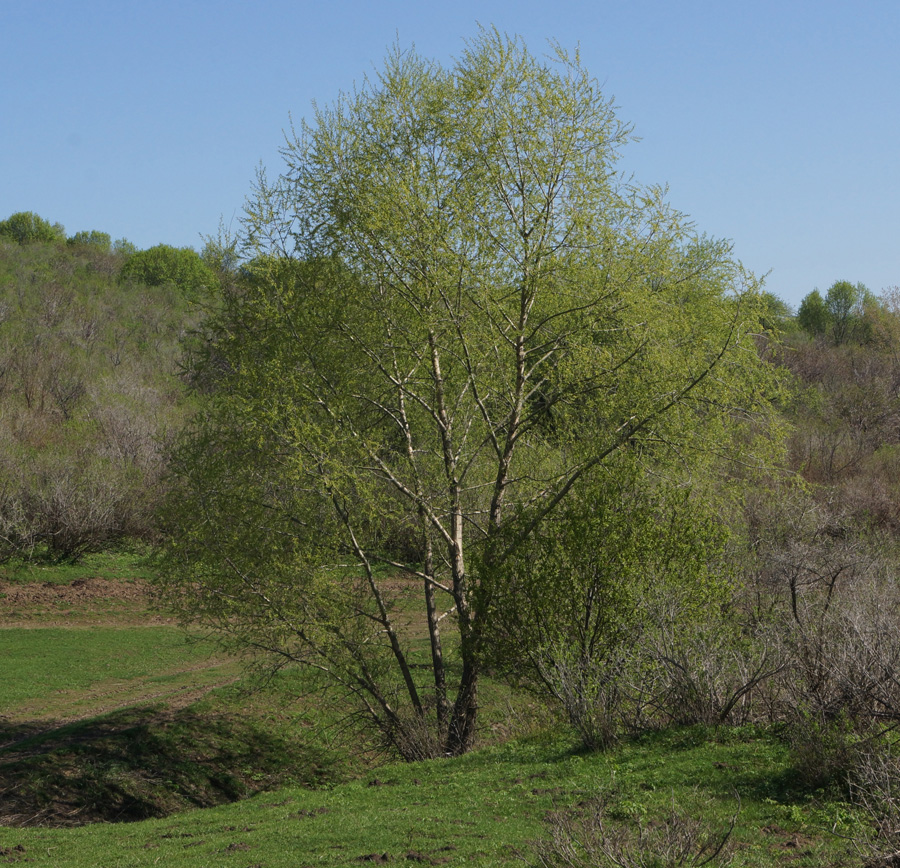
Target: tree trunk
<point>461,734</point>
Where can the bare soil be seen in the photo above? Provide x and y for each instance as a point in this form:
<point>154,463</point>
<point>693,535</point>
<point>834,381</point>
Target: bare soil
<point>83,602</point>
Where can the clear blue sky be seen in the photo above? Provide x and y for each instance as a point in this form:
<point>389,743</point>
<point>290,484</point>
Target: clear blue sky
<point>775,123</point>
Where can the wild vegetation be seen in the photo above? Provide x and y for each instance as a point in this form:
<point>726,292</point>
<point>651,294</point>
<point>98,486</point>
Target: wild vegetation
<point>89,395</point>
<point>532,482</point>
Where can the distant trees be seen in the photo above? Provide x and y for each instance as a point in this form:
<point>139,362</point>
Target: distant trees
<point>124,247</point>
<point>846,419</point>
<point>163,264</point>
<point>840,315</point>
<point>26,227</point>
<point>88,395</point>
<point>92,238</point>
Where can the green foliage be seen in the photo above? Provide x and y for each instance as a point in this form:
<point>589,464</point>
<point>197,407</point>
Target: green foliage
<point>841,315</point>
<point>124,247</point>
<point>776,316</point>
<point>220,252</point>
<point>92,238</point>
<point>179,266</point>
<point>26,227</point>
<point>846,305</point>
<point>812,315</point>
<point>455,314</point>
<point>572,601</point>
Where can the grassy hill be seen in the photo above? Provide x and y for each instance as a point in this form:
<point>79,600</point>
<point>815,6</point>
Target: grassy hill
<point>111,713</point>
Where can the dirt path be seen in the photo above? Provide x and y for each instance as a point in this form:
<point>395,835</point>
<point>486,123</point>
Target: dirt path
<point>182,687</point>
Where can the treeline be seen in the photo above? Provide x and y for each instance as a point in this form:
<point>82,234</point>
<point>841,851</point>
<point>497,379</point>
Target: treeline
<point>843,351</point>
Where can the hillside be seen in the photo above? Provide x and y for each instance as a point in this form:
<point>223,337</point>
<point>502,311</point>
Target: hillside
<point>89,395</point>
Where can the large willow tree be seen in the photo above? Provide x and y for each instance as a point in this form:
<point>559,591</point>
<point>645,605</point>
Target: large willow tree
<point>455,311</point>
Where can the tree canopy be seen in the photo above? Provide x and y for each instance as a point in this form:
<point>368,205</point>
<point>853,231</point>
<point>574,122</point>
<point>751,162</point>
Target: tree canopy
<point>841,315</point>
<point>26,227</point>
<point>162,264</point>
<point>91,238</point>
<point>456,314</point>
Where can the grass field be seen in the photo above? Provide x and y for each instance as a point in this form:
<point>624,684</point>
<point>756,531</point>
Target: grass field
<point>122,716</point>
<point>481,809</point>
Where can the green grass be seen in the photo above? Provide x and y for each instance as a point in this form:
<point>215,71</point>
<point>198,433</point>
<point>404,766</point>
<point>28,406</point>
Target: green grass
<point>128,563</point>
<point>119,723</point>
<point>481,809</point>
<point>41,663</point>
<point>62,761</point>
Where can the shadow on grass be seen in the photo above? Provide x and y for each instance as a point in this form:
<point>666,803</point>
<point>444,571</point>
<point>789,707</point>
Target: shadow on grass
<point>755,762</point>
<point>145,762</point>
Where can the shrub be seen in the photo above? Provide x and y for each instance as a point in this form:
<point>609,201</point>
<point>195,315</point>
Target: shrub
<point>707,670</point>
<point>574,608</point>
<point>66,508</point>
<point>593,837</point>
<point>875,787</point>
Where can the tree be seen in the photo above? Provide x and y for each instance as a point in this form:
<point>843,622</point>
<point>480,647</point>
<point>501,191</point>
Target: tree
<point>846,305</point>
<point>455,314</point>
<point>813,316</point>
<point>124,247</point>
<point>777,316</point>
<point>842,313</point>
<point>180,266</point>
<point>92,238</point>
<point>26,227</point>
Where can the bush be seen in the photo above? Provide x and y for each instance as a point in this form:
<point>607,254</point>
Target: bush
<point>824,752</point>
<point>65,507</point>
<point>574,609</point>
<point>875,787</point>
<point>833,614</point>
<point>594,837</point>
<point>708,670</point>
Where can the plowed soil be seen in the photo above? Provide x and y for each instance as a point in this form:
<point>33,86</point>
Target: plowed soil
<point>84,602</point>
